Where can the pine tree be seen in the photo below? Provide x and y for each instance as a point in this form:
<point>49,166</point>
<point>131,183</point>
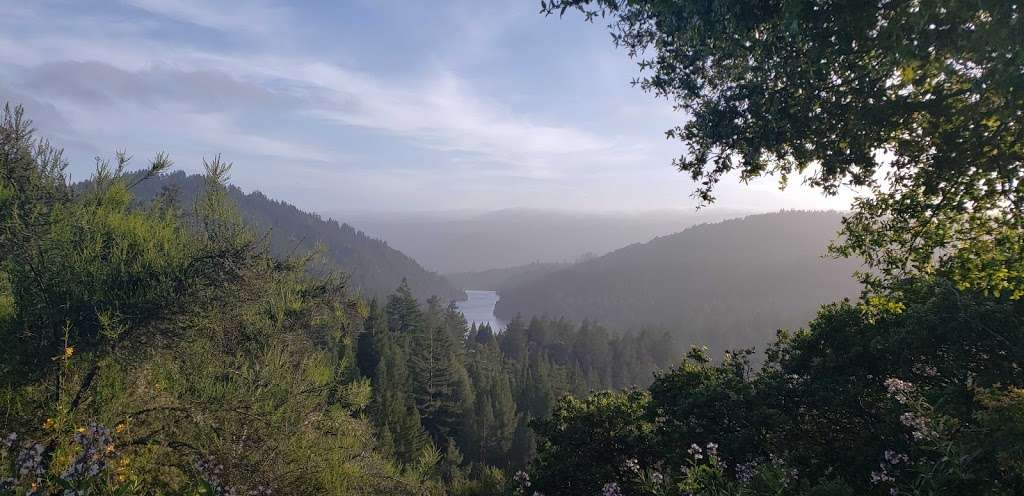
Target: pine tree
<point>440,383</point>
<point>397,418</point>
<point>375,328</point>
<point>524,443</point>
<point>404,315</point>
<point>503,408</point>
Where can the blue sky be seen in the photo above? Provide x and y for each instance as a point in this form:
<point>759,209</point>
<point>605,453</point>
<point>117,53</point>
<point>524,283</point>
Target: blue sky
<point>360,105</point>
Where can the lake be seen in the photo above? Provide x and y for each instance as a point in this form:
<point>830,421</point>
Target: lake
<point>479,308</point>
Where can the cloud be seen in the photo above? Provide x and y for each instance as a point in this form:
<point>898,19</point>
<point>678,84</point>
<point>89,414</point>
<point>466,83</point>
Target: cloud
<point>230,76</point>
<point>445,114</point>
<point>102,83</point>
<point>439,111</point>
<point>246,17</point>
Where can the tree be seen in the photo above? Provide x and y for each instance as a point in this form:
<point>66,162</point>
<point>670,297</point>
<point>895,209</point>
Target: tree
<point>609,428</point>
<point>923,399</point>
<point>915,104</point>
<point>397,417</point>
<point>440,384</point>
<point>404,315</point>
<point>169,337</point>
<point>368,346</point>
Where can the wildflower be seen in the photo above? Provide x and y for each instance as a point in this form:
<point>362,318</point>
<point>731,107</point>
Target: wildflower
<point>611,489</point>
<point>68,351</point>
<point>657,478</point>
<point>631,465</point>
<point>746,471</point>
<point>210,472</point>
<point>522,478</point>
<point>695,451</point>
<point>894,458</point>
<point>921,428</point>
<point>96,447</point>
<point>899,389</point>
<point>712,449</point>
<point>49,423</point>
<point>30,461</point>
<point>8,441</point>
<point>880,477</point>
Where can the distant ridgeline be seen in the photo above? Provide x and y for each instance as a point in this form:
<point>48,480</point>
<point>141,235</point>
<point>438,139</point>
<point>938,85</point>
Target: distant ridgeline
<point>505,278</point>
<point>375,268</point>
<point>728,284</point>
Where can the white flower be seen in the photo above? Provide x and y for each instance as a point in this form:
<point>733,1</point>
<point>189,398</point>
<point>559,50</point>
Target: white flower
<point>632,465</point>
<point>901,390</point>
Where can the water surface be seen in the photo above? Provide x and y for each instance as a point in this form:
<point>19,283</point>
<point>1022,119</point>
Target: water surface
<point>479,308</point>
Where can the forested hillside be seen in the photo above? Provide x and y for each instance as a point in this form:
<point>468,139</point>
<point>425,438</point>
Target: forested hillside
<point>374,267</point>
<point>473,393</point>
<point>454,242</point>
<point>505,278</point>
<point>728,284</point>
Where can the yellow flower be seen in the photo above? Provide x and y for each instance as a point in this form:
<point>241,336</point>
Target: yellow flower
<point>119,428</point>
<point>80,429</point>
<point>48,424</point>
<point>68,351</point>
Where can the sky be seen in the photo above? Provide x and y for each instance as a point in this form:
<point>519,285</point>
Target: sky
<point>361,105</point>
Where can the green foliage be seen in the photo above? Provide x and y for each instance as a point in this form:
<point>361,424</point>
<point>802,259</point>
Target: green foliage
<point>440,384</point>
<point>607,427</point>
<point>917,104</point>
<point>372,266</point>
<point>217,367</point>
<point>923,401</point>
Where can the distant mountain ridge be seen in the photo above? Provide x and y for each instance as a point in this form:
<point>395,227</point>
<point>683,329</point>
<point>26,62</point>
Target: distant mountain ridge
<point>505,278</point>
<point>374,267</point>
<point>458,242</point>
<point>729,284</point>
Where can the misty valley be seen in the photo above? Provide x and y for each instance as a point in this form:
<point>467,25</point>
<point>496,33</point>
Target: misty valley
<point>740,248</point>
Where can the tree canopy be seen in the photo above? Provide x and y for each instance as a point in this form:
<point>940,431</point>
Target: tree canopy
<point>916,105</point>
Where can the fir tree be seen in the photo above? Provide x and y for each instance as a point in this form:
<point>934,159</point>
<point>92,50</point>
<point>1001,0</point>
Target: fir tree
<point>397,418</point>
<point>440,383</point>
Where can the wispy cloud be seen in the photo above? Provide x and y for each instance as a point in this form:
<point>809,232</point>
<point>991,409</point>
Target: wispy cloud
<point>250,17</point>
<point>445,114</point>
<point>440,110</point>
<point>240,77</point>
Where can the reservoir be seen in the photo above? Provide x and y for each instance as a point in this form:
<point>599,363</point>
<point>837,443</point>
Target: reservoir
<point>479,308</point>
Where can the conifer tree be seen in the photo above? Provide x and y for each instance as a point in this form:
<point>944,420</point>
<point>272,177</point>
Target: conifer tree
<point>369,341</point>
<point>404,315</point>
<point>397,418</point>
<point>524,442</point>
<point>503,408</point>
<point>440,383</point>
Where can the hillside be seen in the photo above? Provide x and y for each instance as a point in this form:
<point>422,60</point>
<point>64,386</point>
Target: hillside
<point>455,242</point>
<point>727,284</point>
<point>375,268</point>
<point>507,277</point>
